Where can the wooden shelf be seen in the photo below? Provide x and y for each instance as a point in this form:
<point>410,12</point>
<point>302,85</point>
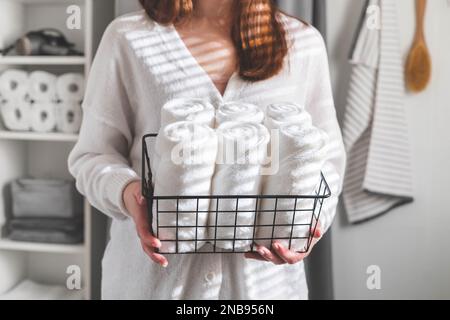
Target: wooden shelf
<point>6,244</point>
<point>34,136</point>
<point>54,2</point>
<point>42,60</point>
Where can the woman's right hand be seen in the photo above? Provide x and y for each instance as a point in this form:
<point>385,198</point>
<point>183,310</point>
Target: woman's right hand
<point>136,206</point>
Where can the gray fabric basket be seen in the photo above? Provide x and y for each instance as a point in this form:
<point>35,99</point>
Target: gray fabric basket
<point>36,198</point>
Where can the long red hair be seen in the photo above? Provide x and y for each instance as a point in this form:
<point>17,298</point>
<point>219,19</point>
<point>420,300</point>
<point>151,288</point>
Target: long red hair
<point>257,33</point>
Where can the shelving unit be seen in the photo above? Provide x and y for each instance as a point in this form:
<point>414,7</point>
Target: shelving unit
<point>6,244</point>
<point>32,136</point>
<point>44,155</point>
<point>43,60</point>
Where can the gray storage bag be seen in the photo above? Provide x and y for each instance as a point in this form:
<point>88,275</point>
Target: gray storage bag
<point>36,198</point>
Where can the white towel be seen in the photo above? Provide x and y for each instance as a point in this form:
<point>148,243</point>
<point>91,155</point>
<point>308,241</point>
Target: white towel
<point>281,113</point>
<point>70,87</point>
<point>188,153</point>
<point>68,116</point>
<point>376,136</point>
<point>184,109</point>
<point>16,114</point>
<point>242,151</point>
<point>302,150</point>
<point>14,84</point>
<point>43,117</point>
<point>239,111</point>
<point>42,86</point>
<point>196,110</point>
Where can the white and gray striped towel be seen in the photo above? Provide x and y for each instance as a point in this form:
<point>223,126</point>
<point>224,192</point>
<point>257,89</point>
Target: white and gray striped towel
<point>379,175</point>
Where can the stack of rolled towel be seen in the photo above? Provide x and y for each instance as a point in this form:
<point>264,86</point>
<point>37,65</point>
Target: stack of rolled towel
<point>186,149</point>
<point>45,211</point>
<point>201,151</point>
<point>301,156</point>
<point>40,101</point>
<point>243,142</point>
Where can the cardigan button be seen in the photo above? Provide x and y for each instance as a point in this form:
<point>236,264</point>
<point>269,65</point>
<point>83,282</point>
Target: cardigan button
<point>209,277</point>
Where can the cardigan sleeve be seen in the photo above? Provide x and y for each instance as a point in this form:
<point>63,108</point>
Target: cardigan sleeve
<point>320,104</point>
<point>99,161</point>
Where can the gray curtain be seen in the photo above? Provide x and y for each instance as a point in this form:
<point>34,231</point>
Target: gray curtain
<point>318,264</point>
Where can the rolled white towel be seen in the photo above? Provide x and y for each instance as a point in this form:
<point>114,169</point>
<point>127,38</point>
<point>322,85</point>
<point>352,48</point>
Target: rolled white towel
<point>16,114</point>
<point>241,154</point>
<point>42,86</point>
<point>70,87</point>
<point>281,113</point>
<point>239,111</point>
<point>188,153</point>
<point>302,151</point>
<point>197,110</point>
<point>68,116</point>
<point>43,116</point>
<point>14,84</point>
<point>185,109</point>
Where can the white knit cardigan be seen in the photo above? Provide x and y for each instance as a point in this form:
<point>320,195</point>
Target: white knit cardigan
<point>138,67</point>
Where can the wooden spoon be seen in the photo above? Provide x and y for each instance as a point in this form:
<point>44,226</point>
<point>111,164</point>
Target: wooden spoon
<point>418,66</point>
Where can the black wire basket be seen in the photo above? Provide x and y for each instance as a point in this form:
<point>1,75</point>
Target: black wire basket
<point>299,212</point>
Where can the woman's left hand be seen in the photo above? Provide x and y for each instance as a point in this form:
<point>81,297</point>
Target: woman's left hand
<point>280,254</point>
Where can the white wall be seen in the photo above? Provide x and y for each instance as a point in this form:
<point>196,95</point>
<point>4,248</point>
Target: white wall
<point>11,17</point>
<point>410,244</point>
<point>125,6</point>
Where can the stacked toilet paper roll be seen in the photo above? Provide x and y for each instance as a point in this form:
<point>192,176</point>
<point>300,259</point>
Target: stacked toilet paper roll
<point>41,101</point>
<point>43,116</point>
<point>68,117</point>
<point>14,104</point>
<point>42,92</point>
<point>70,92</point>
<point>14,84</point>
<point>15,114</point>
<point>70,87</point>
<point>42,86</point>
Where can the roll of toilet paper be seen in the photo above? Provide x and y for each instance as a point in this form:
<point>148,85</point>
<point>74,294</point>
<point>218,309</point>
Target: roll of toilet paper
<point>42,86</point>
<point>43,116</point>
<point>70,87</point>
<point>14,84</point>
<point>16,114</point>
<point>68,116</point>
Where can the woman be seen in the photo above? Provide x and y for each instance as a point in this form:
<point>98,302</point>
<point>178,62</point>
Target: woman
<point>220,50</point>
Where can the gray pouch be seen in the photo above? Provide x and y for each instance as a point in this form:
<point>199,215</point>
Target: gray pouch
<point>36,198</point>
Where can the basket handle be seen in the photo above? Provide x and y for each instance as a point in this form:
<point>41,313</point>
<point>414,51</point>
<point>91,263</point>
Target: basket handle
<point>147,188</point>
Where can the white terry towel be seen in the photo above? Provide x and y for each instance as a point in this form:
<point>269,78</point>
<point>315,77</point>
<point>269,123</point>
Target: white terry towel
<point>16,114</point>
<point>188,153</point>
<point>43,116</point>
<point>185,109</point>
<point>68,116</point>
<point>239,111</point>
<point>42,87</point>
<point>379,174</point>
<point>242,151</point>
<point>197,110</point>
<point>302,153</point>
<point>14,84</point>
<point>70,87</point>
<point>278,114</point>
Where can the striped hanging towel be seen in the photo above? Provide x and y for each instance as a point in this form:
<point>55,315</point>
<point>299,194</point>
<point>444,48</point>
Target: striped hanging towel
<point>379,175</point>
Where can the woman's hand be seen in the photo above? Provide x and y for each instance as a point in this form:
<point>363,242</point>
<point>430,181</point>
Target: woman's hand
<point>281,255</point>
<point>136,206</point>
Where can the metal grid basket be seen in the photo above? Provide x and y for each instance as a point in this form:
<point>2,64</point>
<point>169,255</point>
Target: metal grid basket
<point>307,206</point>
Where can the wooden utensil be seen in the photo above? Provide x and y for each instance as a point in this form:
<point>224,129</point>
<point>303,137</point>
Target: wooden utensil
<point>418,66</point>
